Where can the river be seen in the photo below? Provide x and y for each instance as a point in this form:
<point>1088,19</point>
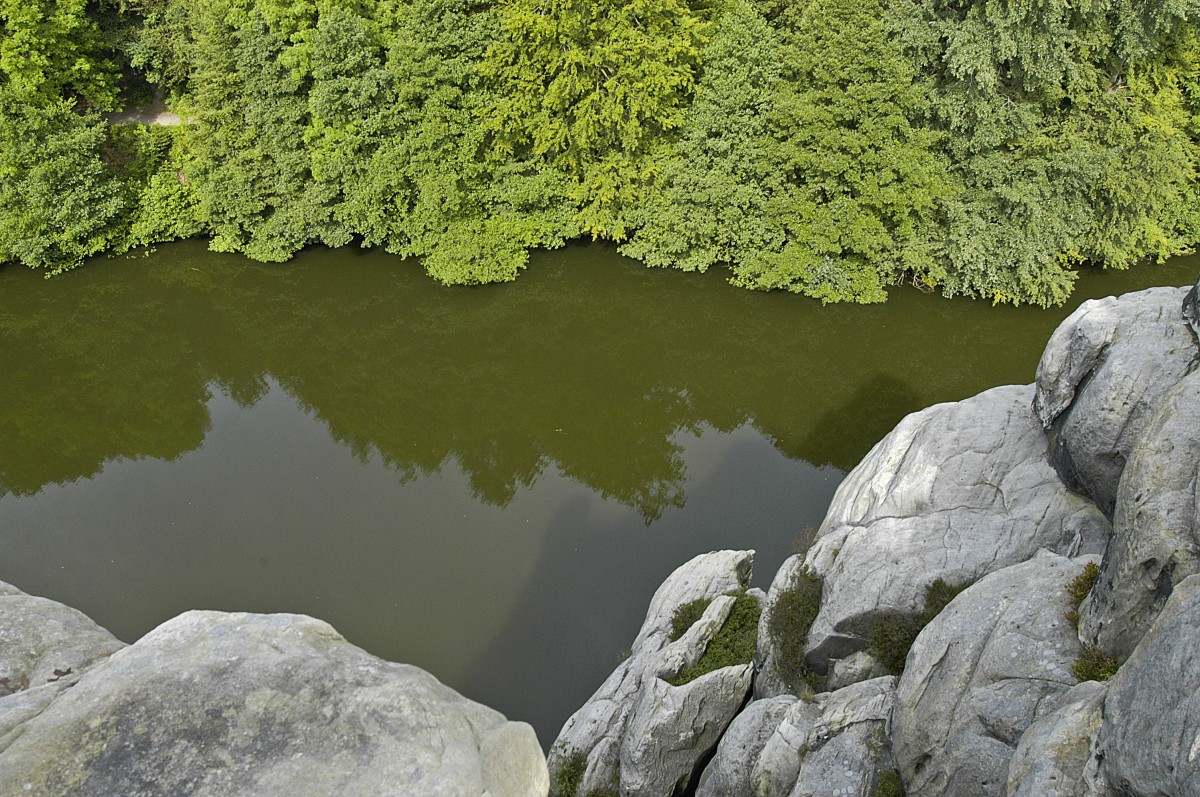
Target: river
<point>486,482</point>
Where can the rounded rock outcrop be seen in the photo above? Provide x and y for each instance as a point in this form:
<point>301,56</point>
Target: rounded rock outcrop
<point>220,705</point>
<point>1100,378</point>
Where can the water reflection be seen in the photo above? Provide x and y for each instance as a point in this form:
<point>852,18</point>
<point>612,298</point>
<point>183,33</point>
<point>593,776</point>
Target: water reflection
<point>466,479</point>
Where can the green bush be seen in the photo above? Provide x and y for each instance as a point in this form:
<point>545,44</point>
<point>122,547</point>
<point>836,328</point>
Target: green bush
<point>1092,665</point>
<point>1078,589</point>
<point>686,615</point>
<point>733,644</point>
<point>893,633</point>
<point>791,617</point>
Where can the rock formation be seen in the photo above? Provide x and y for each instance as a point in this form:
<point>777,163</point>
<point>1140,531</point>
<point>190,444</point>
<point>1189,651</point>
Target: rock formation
<point>240,704</point>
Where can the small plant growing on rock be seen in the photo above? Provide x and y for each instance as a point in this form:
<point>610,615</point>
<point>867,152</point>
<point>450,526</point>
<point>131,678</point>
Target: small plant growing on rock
<point>889,785</point>
<point>566,777</point>
<point>893,633</point>
<point>686,615</point>
<point>732,644</point>
<point>1078,589</point>
<point>788,623</point>
<point>1092,665</point>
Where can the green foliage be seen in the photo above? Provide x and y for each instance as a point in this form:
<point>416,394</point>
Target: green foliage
<point>57,198</point>
<point>799,163</point>
<point>1078,589</point>
<point>889,785</point>
<point>791,616</point>
<point>568,774</point>
<point>892,634</point>
<point>1092,665</point>
<point>732,644</point>
<point>686,615</point>
<point>1059,114</point>
<point>829,148</point>
<point>50,49</point>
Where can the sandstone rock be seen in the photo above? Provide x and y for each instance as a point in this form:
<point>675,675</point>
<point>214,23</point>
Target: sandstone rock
<point>44,648</point>
<point>1149,742</point>
<point>837,745</point>
<point>639,731</point>
<point>1156,533</point>
<point>1053,757</point>
<point>1102,373</point>
<point>996,659</point>
<point>215,704</point>
<point>954,492</point>
<point>1191,308</point>
<point>672,728</point>
<point>729,773</point>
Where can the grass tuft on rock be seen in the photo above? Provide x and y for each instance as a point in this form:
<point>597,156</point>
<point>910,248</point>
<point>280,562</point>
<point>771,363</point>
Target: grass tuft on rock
<point>791,616</point>
<point>893,633</point>
<point>889,785</point>
<point>1078,589</point>
<point>1092,665</point>
<point>565,779</point>
<point>686,615</point>
<point>732,644</point>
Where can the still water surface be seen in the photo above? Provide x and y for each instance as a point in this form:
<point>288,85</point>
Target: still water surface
<point>486,482</point>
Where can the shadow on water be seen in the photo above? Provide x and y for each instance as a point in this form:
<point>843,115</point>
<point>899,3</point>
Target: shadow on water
<point>844,434</point>
<point>588,593</point>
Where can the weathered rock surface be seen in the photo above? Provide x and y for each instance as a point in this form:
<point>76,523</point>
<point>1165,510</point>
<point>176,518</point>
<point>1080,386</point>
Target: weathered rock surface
<point>44,648</point>
<point>1149,742</point>
<point>240,704</point>
<point>836,744</point>
<point>1191,308</point>
<point>640,732</point>
<point>673,727</point>
<point>955,491</point>
<point>729,773</point>
<point>1053,757</point>
<point>1102,374</point>
<point>996,659</point>
<point>1156,530</point>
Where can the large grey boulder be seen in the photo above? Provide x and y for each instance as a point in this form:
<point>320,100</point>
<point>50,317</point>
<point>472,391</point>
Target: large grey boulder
<point>997,658</point>
<point>1156,530</point>
<point>1101,376</point>
<point>834,744</point>
<point>954,492</point>
<point>212,704</point>
<point>44,648</point>
<point>1149,742</point>
<point>1054,756</point>
<point>638,731</point>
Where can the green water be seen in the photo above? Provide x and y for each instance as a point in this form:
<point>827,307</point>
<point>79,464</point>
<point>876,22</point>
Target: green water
<point>486,482</point>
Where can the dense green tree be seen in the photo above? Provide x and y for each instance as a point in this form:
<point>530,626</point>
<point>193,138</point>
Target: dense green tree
<point>1058,114</point>
<point>50,49</point>
<point>57,198</point>
<point>799,164</point>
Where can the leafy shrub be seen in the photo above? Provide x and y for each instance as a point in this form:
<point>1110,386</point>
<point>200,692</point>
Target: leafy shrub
<point>893,633</point>
<point>686,615</point>
<point>1092,665</point>
<point>1078,589</point>
<point>791,617</point>
<point>732,644</point>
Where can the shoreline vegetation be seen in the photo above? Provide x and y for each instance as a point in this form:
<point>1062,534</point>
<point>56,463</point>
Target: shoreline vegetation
<point>827,147</point>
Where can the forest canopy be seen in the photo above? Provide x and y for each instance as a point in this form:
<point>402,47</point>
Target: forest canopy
<point>826,147</point>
